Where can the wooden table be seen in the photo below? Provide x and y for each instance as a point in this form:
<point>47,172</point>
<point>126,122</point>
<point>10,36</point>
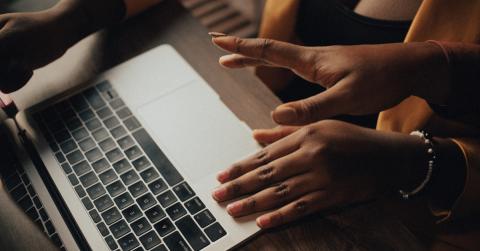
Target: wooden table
<point>374,226</point>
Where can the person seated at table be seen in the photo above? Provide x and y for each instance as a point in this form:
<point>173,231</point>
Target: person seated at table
<point>311,164</point>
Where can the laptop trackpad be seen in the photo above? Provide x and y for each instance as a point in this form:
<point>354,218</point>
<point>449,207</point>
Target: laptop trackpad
<point>197,132</point>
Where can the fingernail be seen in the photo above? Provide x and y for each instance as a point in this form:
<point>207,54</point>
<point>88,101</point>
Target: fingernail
<point>215,34</point>
<point>234,208</point>
<point>222,176</point>
<point>263,221</point>
<point>284,114</point>
<point>219,193</point>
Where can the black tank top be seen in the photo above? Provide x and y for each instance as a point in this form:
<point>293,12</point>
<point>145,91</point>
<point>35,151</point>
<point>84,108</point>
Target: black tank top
<point>329,22</point>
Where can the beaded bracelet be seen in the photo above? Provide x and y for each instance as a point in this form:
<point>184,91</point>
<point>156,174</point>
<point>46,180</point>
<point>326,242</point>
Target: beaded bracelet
<point>432,157</point>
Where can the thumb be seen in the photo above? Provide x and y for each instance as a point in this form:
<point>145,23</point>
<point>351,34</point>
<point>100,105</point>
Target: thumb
<point>327,104</point>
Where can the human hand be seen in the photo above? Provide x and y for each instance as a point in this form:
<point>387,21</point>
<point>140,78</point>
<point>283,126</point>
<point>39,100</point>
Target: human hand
<point>361,79</point>
<point>320,166</point>
<point>29,41</point>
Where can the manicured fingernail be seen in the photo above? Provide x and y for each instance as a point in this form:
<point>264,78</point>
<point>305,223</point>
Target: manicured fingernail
<point>219,193</point>
<point>215,34</point>
<point>234,208</point>
<point>222,176</point>
<point>284,114</point>
<point>263,221</point>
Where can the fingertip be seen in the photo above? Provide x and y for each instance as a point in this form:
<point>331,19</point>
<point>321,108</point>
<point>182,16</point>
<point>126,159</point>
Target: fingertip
<point>284,115</point>
<point>263,222</point>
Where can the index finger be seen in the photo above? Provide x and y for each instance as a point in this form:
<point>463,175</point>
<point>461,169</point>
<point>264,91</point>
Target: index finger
<point>275,52</point>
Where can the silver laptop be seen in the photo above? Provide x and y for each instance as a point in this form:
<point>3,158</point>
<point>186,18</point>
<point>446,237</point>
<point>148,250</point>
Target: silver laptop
<point>129,162</point>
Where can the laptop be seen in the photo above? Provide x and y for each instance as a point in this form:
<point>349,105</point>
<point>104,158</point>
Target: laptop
<point>129,161</point>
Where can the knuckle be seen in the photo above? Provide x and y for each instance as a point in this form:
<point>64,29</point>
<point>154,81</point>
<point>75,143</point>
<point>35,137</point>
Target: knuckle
<point>238,44</point>
<point>282,191</point>
<point>262,157</point>
<point>309,109</point>
<point>266,174</point>
<point>250,204</point>
<point>235,170</point>
<point>301,207</point>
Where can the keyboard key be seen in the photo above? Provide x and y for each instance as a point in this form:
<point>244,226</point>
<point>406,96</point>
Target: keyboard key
<point>80,134</point>
<point>87,115</point>
<point>74,157</point>
<point>87,144</point>
<point>146,201</point>
<point>56,126</point>
<point>68,114</point>
<point>114,155</point>
<point>104,86</point>
<point>160,248</point>
<point>103,229</point>
<point>150,240</point>
<point>95,216</point>
<point>104,112</point>
<point>79,103</point>
<point>167,198</point>
<point>103,203</point>
<point>32,213</point>
<point>124,112</point>
<point>140,226</point>
<point>88,179</point>
<point>155,214</point>
<point>157,186</point>
<point>50,228</point>
<point>183,191</point>
<point>126,142</point>
<point>215,231</point>
<point>80,191</point>
<point>108,177</point>
<point>194,205</point>
<point>133,152</point>
<point>119,229</point>
<point>110,95</point>
<point>164,227</point>
<point>87,203</point>
<point>129,177</point>
<point>93,154</point>
<point>128,242</point>
<point>43,214</point>
<point>117,103</point>
<point>176,211</point>
<point>93,98</point>
<point>141,163</point>
<point>118,132</point>
<point>123,200</point>
<point>81,168</point>
<point>111,216</point>
<point>18,192</point>
<point>149,175</point>
<point>112,244</point>
<point>25,203</point>
<point>93,124</point>
<point>96,191</point>
<point>132,124</point>
<point>111,122</point>
<point>204,218</point>
<point>61,136</point>
<point>122,166</point>
<point>100,134</point>
<point>100,165</point>
<point>163,165</point>
<point>68,146</point>
<point>192,233</point>
<point>176,242</point>
<point>12,181</point>
<point>137,189</point>
<point>73,179</point>
<point>132,213</point>
<point>116,188</point>
<point>37,202</point>
<point>60,158</point>
<point>107,144</point>
<point>73,124</point>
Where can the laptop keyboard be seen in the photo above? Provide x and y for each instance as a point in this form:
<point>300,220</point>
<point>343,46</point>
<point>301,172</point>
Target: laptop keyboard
<point>133,193</point>
<point>21,190</point>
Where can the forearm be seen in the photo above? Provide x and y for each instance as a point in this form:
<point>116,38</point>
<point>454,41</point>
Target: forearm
<point>18,232</point>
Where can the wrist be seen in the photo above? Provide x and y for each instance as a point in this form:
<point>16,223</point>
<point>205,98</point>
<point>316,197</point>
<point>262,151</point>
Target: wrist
<point>433,81</point>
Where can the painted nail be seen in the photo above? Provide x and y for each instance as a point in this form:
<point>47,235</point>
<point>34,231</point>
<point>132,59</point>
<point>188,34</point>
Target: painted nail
<point>284,114</point>
<point>215,34</point>
<point>263,221</point>
<point>234,208</point>
<point>219,193</point>
<point>222,176</point>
